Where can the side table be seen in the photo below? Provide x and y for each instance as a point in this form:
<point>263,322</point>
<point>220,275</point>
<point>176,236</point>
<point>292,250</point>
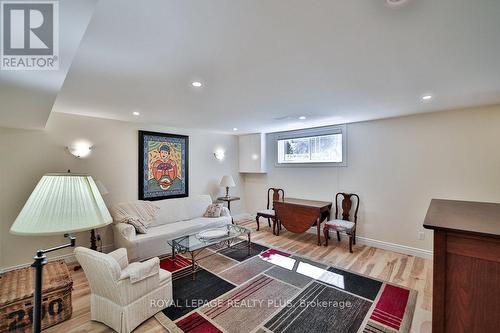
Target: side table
<point>228,200</point>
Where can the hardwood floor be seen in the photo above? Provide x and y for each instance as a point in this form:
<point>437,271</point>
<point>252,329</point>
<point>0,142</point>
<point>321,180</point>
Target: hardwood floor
<point>409,271</point>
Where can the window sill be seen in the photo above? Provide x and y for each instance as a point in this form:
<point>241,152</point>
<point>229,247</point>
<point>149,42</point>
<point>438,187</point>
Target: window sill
<point>310,165</point>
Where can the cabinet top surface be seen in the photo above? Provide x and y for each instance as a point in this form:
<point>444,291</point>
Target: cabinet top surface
<point>481,218</point>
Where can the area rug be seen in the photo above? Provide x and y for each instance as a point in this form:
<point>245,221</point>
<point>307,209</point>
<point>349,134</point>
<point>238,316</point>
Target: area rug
<point>274,291</point>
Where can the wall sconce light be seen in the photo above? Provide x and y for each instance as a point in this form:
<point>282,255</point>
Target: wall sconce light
<point>80,150</point>
<point>219,154</point>
<point>255,157</point>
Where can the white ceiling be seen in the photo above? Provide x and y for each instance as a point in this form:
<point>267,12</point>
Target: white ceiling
<point>261,61</point>
<point>27,97</point>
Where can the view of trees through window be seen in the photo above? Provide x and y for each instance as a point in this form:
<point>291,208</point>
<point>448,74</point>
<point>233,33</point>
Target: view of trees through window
<point>313,149</point>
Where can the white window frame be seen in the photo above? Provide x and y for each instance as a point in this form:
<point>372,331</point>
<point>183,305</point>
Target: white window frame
<point>308,132</point>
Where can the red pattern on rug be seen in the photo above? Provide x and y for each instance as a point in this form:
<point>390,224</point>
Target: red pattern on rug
<point>174,265</point>
<point>391,306</point>
<point>195,323</point>
<point>270,252</point>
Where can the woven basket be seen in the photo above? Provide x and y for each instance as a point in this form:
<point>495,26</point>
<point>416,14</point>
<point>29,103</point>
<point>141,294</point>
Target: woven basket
<point>16,297</point>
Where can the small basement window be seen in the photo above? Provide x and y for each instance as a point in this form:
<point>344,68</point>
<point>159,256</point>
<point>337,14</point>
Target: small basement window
<point>312,147</point>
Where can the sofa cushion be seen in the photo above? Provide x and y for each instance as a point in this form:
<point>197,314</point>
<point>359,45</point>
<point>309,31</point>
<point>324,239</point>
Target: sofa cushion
<point>196,206</point>
<point>178,229</point>
<point>175,210</point>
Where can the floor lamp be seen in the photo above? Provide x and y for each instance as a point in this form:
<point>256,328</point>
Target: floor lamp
<point>60,204</point>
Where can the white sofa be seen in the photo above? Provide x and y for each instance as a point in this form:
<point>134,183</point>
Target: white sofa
<point>176,217</point>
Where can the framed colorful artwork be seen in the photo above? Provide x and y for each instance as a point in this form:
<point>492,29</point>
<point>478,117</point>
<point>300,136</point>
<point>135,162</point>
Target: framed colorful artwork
<point>163,166</point>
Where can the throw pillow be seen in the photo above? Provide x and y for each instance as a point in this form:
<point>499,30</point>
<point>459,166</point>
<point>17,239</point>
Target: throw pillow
<point>213,210</point>
<point>140,225</point>
<point>145,210</point>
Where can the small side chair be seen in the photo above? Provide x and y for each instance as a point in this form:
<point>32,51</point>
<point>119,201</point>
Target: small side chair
<point>278,194</point>
<point>344,224</point>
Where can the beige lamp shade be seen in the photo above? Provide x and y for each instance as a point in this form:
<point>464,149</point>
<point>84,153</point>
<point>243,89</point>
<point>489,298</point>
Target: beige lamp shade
<point>227,181</point>
<point>62,203</point>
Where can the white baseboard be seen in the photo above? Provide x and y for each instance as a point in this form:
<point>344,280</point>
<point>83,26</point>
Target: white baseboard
<point>412,251</point>
<point>69,257</point>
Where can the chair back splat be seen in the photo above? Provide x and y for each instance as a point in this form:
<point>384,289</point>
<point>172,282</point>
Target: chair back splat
<point>278,194</point>
<point>345,224</point>
<point>346,205</point>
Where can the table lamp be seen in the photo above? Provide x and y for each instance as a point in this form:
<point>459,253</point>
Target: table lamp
<point>227,182</point>
<point>61,203</point>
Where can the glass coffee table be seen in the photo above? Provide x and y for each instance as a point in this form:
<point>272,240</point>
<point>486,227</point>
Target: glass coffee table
<point>194,244</point>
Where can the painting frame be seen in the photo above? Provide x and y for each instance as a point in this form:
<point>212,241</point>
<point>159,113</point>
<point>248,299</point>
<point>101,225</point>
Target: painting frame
<point>146,183</point>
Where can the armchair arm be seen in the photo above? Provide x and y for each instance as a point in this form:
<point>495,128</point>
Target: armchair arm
<point>139,271</point>
<point>225,212</point>
<point>126,230</point>
<point>120,255</point>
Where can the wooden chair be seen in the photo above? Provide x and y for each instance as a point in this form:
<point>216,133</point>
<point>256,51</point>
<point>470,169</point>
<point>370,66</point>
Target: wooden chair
<point>269,212</point>
<point>344,224</point>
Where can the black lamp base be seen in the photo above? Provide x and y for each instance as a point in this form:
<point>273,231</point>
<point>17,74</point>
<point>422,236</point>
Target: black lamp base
<point>40,261</point>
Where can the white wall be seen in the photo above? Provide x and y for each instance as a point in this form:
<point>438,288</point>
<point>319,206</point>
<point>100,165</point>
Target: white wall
<point>396,166</point>
<point>27,154</point>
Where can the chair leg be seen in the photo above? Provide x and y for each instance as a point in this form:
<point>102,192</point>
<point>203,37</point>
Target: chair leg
<point>338,236</point>
<point>257,220</point>
<point>350,243</point>
<point>326,234</point>
<point>354,237</point>
<point>269,222</point>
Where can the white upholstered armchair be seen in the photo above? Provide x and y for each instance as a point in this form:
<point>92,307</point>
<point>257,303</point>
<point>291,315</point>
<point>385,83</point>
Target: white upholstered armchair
<point>124,295</point>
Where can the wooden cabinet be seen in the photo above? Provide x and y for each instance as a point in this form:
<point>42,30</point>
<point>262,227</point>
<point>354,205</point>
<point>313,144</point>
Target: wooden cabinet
<point>466,277</point>
<point>252,153</point>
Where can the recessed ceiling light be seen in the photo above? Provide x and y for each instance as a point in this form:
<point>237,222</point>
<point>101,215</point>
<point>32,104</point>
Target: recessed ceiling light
<point>196,84</point>
<point>136,113</point>
<point>426,97</point>
<point>395,2</point>
<point>281,118</point>
<point>235,128</point>
<point>302,117</point>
